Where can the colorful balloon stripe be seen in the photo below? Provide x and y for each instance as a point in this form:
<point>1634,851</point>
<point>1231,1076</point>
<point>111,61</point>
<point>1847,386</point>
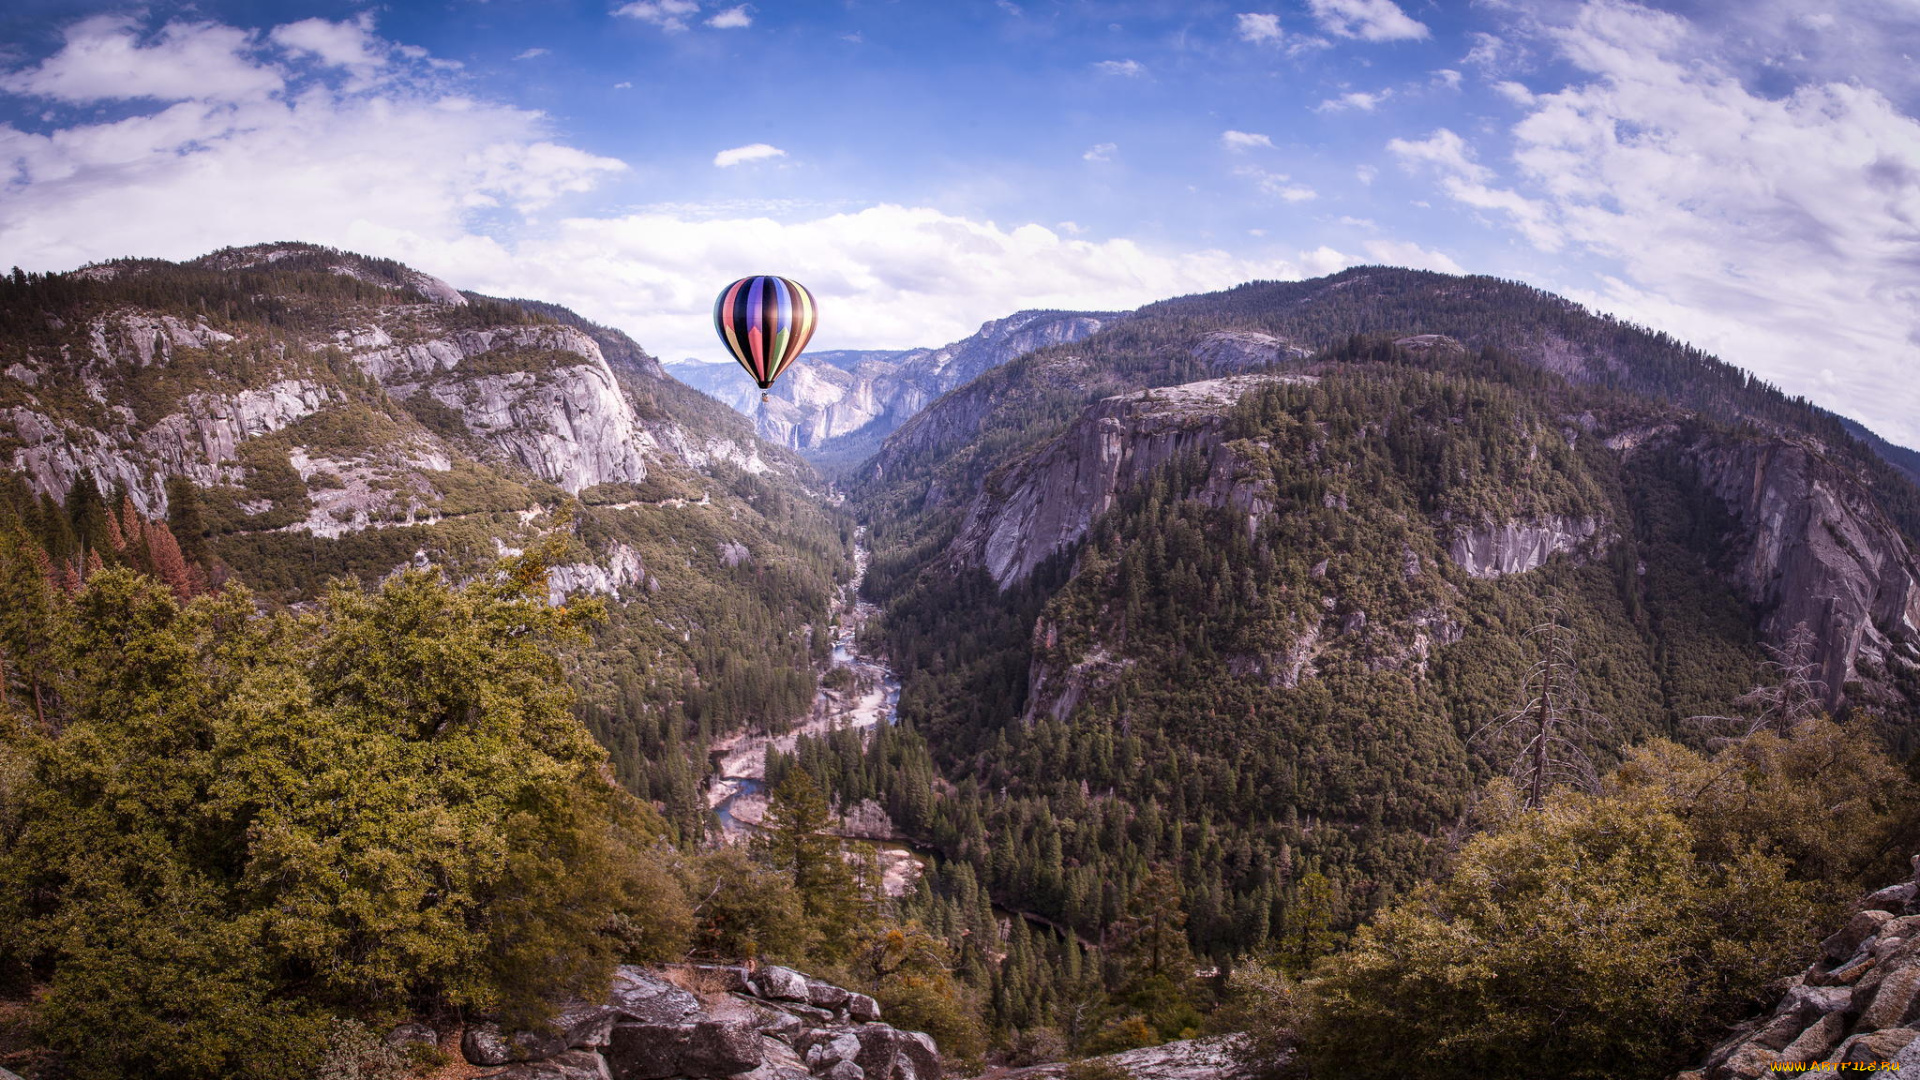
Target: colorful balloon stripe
<point>764,322</point>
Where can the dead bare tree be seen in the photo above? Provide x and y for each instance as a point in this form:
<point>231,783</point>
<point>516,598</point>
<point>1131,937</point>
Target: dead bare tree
<point>1788,693</point>
<point>1546,732</point>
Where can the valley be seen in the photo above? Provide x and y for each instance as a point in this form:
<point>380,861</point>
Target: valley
<point>1100,681</point>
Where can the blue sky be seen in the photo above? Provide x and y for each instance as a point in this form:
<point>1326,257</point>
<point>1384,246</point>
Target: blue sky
<point>1742,175</point>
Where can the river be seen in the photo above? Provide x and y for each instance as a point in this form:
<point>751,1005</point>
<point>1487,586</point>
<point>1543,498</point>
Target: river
<point>736,788</point>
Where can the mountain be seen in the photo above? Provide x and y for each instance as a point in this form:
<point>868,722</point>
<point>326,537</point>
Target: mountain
<point>298,413</point>
<point>838,404</point>
<point>1235,585</point>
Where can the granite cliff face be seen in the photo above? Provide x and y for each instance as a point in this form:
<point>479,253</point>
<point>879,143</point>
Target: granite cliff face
<point>1045,502</point>
<point>1814,548</point>
<point>382,397</point>
<point>846,397</point>
<point>1491,549</point>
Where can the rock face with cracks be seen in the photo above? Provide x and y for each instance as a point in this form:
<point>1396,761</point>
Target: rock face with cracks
<point>772,1023</point>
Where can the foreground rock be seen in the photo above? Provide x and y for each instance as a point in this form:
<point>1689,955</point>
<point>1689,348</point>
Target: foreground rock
<point>1189,1059</point>
<point>1858,1004</point>
<point>770,1024</point>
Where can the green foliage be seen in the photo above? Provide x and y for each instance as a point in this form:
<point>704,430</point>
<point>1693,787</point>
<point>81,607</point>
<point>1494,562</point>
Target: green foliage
<point>1609,935</point>
<point>1589,939</point>
<point>234,822</point>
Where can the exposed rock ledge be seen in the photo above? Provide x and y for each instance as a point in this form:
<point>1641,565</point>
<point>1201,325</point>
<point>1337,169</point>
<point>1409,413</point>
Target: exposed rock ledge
<point>1858,1003</point>
<point>1046,502</point>
<point>1189,1059</point>
<point>1515,547</point>
<point>770,1024</point>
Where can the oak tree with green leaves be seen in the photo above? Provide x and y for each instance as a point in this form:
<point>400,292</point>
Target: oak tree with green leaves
<point>235,822</point>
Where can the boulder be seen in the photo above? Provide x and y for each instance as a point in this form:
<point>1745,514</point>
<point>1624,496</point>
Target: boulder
<point>843,1047</point>
<point>920,1049</point>
<point>1814,1043</point>
<point>781,984</point>
<point>483,1044</point>
<point>1893,898</point>
<point>571,1065</point>
<point>708,1048</point>
<point>825,995</point>
<point>1876,1046</point>
<point>720,1048</point>
<point>1863,925</point>
<point>887,1053</point>
<point>585,1027</point>
<point>845,1070</point>
<point>862,1007</point>
<point>646,1051</point>
<point>640,996</point>
<point>1894,1001</point>
<point>410,1034</point>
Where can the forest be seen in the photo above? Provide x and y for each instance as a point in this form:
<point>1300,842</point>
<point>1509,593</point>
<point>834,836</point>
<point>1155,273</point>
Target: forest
<point>1193,775</point>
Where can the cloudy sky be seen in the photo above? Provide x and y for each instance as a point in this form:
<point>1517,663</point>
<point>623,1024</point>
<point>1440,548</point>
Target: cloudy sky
<point>1744,174</point>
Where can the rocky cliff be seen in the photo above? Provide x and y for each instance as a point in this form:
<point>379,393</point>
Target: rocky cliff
<point>1814,548</point>
<point>314,391</point>
<point>1046,501</point>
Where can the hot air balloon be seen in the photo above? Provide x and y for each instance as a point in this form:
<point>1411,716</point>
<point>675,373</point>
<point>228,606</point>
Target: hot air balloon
<point>764,321</point>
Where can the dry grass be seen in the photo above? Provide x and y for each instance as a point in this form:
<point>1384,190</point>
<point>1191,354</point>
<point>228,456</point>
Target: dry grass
<point>708,984</point>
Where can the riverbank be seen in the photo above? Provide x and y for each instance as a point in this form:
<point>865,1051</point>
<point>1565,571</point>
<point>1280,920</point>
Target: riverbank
<point>736,788</point>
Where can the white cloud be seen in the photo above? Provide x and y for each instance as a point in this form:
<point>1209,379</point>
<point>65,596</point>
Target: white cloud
<point>1491,53</point>
<point>1131,69</point>
<point>623,85</point>
<point>103,59</point>
<point>351,45</point>
<point>1365,174</point>
<point>1362,101</point>
<point>1411,255</point>
<point>1257,27</point>
<point>886,277</point>
<point>1514,92</point>
<point>1277,185</point>
<point>396,171</point>
<point>1370,20</point>
<point>453,184</point>
<point>1468,182</point>
<point>1243,140</point>
<point>533,53</point>
<point>1100,152</point>
<point>1448,78</point>
<point>1443,149</point>
<point>734,18</point>
<point>1777,230</point>
<point>727,159</point>
<point>668,15</point>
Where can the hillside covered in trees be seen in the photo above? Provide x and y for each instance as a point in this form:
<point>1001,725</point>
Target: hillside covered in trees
<point>366,641</point>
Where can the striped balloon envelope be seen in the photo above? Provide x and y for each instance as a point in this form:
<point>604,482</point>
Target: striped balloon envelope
<point>765,321</point>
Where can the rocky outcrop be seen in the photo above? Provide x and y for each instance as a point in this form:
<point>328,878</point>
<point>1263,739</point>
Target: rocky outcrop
<point>1515,547</point>
<point>1047,501</point>
<point>198,442</point>
<point>1814,548</point>
<point>621,570</point>
<point>773,1023</point>
<point>1858,1003</point>
<point>1211,1058</point>
<point>1237,350</point>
